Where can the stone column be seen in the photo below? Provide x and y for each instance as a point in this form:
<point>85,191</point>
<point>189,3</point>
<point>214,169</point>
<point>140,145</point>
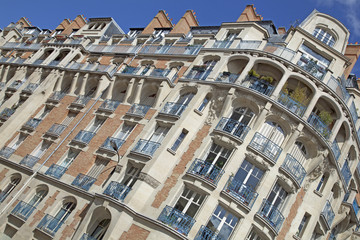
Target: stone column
<point>280,85</point>
<point>246,70</point>
<point>311,106</point>
<point>138,91</point>
<point>83,84</point>
<point>59,82</point>
<point>129,90</point>
<point>110,89</point>
<point>73,83</point>
<point>262,116</point>
<point>292,139</point>
<point>227,102</point>
<point>6,73</point>
<point>336,127</point>
<point>158,94</point>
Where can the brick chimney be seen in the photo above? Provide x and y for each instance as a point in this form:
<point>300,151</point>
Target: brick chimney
<point>161,20</point>
<point>249,14</point>
<point>185,23</point>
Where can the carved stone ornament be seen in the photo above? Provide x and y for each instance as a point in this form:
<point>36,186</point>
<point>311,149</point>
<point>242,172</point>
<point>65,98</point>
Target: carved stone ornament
<point>224,140</point>
<point>287,183</point>
<point>252,157</point>
<point>149,180</point>
<point>216,105</point>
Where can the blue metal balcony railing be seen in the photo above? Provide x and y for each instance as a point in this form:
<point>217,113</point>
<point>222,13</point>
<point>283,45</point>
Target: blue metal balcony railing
<point>138,109</point>
<point>83,181</point>
<point>227,77</point>
<point>311,67</point>
<point>130,70</point>
<point>176,219</point>
<point>328,213</point>
<point>29,161</point>
<point>109,105</point>
<point>335,149</point>
<point>30,88</point>
<point>319,125</point>
<point>206,170</point>
<point>353,112</point>
<point>57,96</point>
<point>280,51</point>
<point>294,168</point>
<point>346,173</point>
<point>56,129</point>
<point>32,123</point>
<point>117,190</point>
<point>86,236</point>
<point>245,194</point>
<point>84,137</point>
<point>173,108</point>
<point>266,146</point>
<point>54,63</point>
<point>81,100</point>
<point>198,73</point>
<point>146,147</point>
<point>56,171</point>
<point>233,127</point>
<point>206,234</point>
<point>160,72</point>
<point>38,62</point>
<point>23,210</point>
<point>49,224</point>
<point>6,152</point>
<point>248,44</point>
<point>258,85</point>
<point>107,144</point>
<point>271,214</point>
<point>339,88</point>
<point>171,50</point>
<point>291,104</point>
<point>6,113</point>
<point>15,85</point>
<point>222,44</point>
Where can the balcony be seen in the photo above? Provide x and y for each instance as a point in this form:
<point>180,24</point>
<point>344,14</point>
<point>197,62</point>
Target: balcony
<point>233,127</point>
<point>32,123</point>
<point>271,215</point>
<point>146,147</point>
<point>81,101</point>
<point>222,44</point>
<point>176,219</point>
<point>294,168</point>
<point>15,85</point>
<point>328,214</point>
<point>280,51</point>
<point>171,50</point>
<point>2,85</point>
<point>227,77</point>
<point>83,181</point>
<point>138,110</point>
<point>23,210</point>
<point>335,149</point>
<point>258,85</point>
<point>206,171</point>
<point>206,234</point>
<point>117,190</point>
<point>55,171</point>
<point>57,96</point>
<point>160,72</point>
<point>198,73</point>
<point>130,70</point>
<point>29,161</point>
<point>311,67</point>
<point>30,88</point>
<point>54,63</point>
<point>319,125</point>
<point>56,129</point>
<point>6,113</point>
<point>247,44</point>
<point>38,62</point>
<point>86,236</point>
<point>340,90</point>
<point>109,105</point>
<point>84,137</point>
<point>245,194</point>
<point>6,152</point>
<point>49,224</point>
<point>265,146</point>
<point>346,173</point>
<point>107,144</point>
<point>174,109</point>
<point>291,104</point>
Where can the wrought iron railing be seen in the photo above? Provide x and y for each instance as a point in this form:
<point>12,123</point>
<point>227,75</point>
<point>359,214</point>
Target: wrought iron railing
<point>176,219</point>
<point>56,129</point>
<point>271,214</point>
<point>233,127</point>
<point>29,161</point>
<point>291,104</point>
<point>173,108</point>
<point>107,144</point>
<point>109,105</point>
<point>83,181</point>
<point>266,146</point>
<point>117,190</point>
<point>146,147</point>
<point>55,171</point>
<point>328,213</point>
<point>138,110</point>
<point>206,234</point>
<point>258,84</point>
<point>244,193</point>
<point>294,168</point>
<point>49,224</point>
<point>319,125</point>
<point>84,137</point>
<point>23,210</point>
<point>206,170</point>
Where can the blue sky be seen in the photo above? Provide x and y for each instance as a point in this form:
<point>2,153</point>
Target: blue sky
<point>48,14</point>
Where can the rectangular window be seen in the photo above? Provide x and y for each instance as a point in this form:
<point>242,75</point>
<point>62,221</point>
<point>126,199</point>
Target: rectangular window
<point>179,140</point>
<point>41,149</point>
<point>71,155</point>
<point>249,175</point>
<point>189,202</point>
<point>131,175</point>
<point>203,104</point>
<point>124,131</point>
<point>69,118</point>
<point>15,143</point>
<point>302,225</point>
<point>95,126</point>
<point>222,222</point>
<point>218,155</point>
<point>159,134</point>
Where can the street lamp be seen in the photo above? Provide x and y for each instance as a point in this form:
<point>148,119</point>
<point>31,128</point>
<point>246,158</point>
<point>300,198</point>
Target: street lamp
<point>115,148</point>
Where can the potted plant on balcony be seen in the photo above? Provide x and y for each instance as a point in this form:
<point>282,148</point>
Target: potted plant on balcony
<point>267,78</point>
<point>253,73</point>
<point>326,117</point>
<point>300,95</point>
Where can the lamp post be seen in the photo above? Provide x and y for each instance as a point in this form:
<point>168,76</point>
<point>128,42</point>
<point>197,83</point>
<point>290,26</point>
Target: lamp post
<point>115,148</point>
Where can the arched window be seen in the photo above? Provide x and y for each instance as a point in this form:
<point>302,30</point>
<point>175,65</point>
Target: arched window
<point>299,152</point>
<point>100,230</point>
<point>9,188</point>
<point>273,132</point>
<point>23,210</point>
<point>324,36</point>
<point>242,115</point>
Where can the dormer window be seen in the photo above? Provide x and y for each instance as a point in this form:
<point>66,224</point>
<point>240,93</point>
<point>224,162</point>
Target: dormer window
<point>57,31</point>
<point>133,33</point>
<point>324,36</point>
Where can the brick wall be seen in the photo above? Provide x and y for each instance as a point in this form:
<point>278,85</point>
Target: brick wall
<point>135,233</point>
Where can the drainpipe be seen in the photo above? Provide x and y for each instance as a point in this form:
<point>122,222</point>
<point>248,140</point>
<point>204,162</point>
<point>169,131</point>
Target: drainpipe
<point>52,153</point>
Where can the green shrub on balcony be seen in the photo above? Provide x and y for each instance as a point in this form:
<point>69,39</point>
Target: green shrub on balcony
<point>326,117</point>
<point>252,72</point>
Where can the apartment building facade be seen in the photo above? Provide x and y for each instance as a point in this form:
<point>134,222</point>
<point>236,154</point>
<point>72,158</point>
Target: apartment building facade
<point>179,131</point>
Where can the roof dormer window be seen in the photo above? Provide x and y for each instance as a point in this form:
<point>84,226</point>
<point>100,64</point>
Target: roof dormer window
<point>324,36</point>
